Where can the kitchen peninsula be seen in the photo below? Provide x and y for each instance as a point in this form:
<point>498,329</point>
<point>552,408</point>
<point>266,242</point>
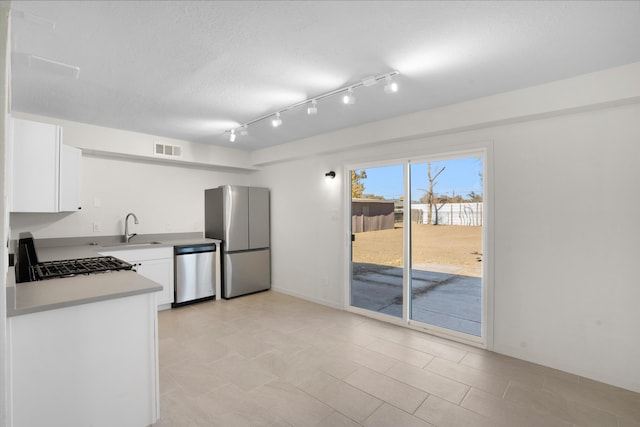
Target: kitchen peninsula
<point>84,350</point>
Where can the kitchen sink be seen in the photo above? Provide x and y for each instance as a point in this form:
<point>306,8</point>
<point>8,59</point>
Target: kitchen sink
<point>131,244</point>
<point>141,244</point>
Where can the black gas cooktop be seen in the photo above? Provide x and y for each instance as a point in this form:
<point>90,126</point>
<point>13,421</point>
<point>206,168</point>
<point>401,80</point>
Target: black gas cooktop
<point>73,267</point>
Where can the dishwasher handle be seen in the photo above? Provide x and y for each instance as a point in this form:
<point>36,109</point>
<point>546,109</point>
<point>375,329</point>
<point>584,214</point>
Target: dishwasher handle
<point>194,249</point>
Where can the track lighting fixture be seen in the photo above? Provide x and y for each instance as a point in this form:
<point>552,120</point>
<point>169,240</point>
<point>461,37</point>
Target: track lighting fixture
<point>330,174</point>
<point>348,97</point>
<point>313,108</point>
<point>277,121</point>
<point>390,86</point>
<point>369,81</point>
<point>312,103</point>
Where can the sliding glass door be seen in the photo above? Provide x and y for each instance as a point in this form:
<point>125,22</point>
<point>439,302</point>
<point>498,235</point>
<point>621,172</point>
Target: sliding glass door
<point>377,267</point>
<point>417,242</point>
<point>446,244</point>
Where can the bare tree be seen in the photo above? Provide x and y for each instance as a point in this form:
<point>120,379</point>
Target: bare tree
<point>430,195</point>
<point>443,200</point>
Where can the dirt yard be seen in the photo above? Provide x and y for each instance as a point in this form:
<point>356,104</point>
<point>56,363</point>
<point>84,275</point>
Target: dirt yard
<point>449,245</point>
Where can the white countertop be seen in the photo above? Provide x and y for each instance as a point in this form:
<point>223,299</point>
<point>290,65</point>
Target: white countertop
<point>32,297</point>
<point>88,250</point>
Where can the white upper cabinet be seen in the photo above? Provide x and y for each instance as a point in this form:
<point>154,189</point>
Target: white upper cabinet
<point>46,175</point>
<point>70,192</point>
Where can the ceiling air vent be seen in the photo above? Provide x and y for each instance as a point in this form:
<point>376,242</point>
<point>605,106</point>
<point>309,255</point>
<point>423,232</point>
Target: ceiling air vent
<point>166,150</point>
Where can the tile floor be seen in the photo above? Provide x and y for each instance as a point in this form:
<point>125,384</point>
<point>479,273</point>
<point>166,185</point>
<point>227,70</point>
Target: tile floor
<point>273,360</point>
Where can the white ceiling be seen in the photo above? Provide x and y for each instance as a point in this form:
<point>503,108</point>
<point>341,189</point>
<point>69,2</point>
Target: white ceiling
<point>193,69</point>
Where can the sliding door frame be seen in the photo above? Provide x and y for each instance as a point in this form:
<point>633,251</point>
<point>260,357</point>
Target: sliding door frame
<point>485,150</point>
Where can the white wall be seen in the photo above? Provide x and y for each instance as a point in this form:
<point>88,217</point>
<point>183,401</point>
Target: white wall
<point>306,229</point>
<point>142,146</point>
<point>166,198</point>
<point>613,86</point>
<point>565,293</point>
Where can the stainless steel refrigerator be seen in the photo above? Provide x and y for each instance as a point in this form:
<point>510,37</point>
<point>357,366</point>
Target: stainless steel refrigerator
<point>239,216</point>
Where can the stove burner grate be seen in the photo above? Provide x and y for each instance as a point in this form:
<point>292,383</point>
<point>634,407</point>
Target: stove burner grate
<point>72,267</point>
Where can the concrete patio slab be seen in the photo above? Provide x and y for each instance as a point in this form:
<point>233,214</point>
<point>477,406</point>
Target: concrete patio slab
<point>443,299</point>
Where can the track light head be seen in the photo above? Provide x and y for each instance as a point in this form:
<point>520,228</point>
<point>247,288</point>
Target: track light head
<point>313,108</point>
<point>244,131</point>
<point>348,98</point>
<point>277,121</point>
<point>390,86</point>
<point>232,136</point>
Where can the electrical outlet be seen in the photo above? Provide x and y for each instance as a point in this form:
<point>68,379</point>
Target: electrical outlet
<point>97,227</point>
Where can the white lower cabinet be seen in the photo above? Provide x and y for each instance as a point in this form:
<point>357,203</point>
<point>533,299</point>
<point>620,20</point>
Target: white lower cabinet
<point>160,271</point>
<point>88,365</point>
<point>155,264</point>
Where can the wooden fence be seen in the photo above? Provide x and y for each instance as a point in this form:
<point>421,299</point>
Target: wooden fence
<point>371,215</point>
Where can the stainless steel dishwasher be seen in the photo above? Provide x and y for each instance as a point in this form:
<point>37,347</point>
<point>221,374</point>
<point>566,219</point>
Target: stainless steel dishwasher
<point>195,273</point>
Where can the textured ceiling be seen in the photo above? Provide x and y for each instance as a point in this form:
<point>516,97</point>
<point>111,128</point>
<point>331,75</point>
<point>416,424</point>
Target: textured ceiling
<point>193,69</point>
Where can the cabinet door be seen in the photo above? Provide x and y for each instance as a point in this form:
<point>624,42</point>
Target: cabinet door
<point>93,364</point>
<point>160,271</point>
<point>70,194</point>
<point>155,264</point>
<point>35,180</point>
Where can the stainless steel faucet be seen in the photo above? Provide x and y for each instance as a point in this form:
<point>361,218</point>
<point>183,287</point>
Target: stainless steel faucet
<point>128,236</point>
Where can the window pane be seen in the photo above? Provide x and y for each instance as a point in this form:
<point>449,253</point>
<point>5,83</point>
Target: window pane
<point>376,227</point>
<point>446,244</point>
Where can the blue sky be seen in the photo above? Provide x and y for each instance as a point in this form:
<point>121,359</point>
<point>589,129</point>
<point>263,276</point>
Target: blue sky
<point>460,176</point>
